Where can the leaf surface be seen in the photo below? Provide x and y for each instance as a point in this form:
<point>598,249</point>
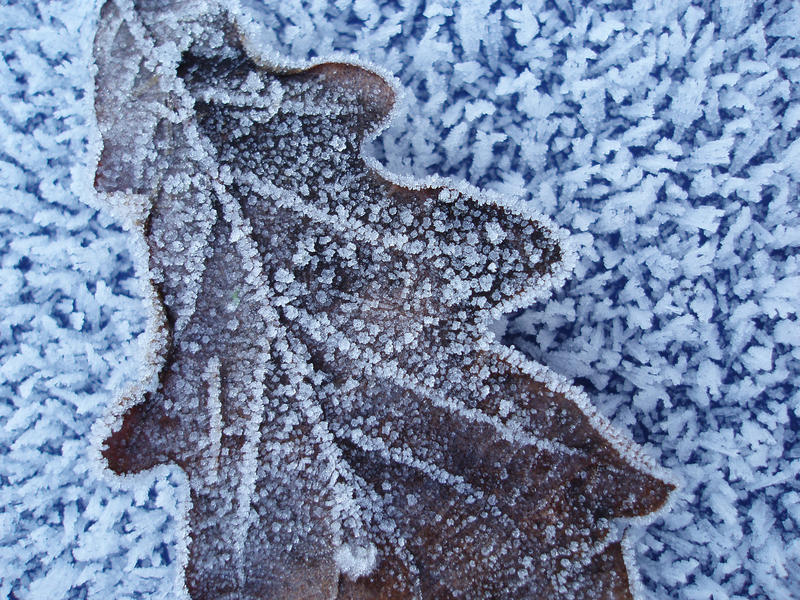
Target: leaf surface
<point>319,361</point>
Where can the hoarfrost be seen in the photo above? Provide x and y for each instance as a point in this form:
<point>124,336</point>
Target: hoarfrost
<point>70,305</point>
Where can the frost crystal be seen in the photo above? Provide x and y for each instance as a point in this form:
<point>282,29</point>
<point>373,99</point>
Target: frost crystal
<point>320,363</point>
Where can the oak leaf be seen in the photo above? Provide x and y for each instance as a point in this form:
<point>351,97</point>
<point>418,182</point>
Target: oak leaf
<point>319,361</point>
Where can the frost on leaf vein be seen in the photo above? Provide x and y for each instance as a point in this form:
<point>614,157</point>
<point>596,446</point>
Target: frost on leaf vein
<point>318,361</point>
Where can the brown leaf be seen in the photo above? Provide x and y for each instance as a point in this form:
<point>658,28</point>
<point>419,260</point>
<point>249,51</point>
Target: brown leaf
<point>319,361</point>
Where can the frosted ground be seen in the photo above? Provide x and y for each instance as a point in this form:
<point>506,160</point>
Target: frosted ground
<point>662,134</point>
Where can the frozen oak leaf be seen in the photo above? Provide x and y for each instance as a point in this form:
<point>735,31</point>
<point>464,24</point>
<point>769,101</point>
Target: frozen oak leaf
<point>318,358</point>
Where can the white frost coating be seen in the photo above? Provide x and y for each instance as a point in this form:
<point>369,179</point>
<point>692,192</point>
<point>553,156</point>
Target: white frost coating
<point>623,444</point>
<point>284,259</point>
<point>151,343</point>
<point>253,377</point>
<point>212,378</point>
<point>356,561</point>
<point>628,553</point>
<point>510,432</point>
<point>669,359</point>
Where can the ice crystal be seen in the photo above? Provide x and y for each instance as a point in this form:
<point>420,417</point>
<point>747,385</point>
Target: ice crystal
<point>319,362</point>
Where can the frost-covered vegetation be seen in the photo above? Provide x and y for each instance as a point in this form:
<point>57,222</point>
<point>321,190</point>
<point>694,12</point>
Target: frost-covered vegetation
<point>347,427</point>
<point>663,134</point>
